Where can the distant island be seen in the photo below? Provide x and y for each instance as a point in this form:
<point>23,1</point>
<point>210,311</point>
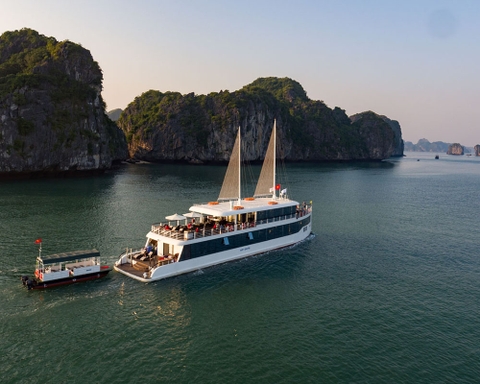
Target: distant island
<point>456,149</point>
<point>114,114</point>
<point>423,145</point>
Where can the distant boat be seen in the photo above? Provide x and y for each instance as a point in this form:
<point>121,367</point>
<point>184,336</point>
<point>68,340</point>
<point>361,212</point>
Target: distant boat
<point>437,157</point>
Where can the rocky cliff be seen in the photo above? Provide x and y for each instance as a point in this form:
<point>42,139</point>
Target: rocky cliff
<point>201,128</point>
<point>455,149</point>
<point>51,110</point>
<point>395,125</point>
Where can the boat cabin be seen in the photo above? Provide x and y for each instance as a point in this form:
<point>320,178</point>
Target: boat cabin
<point>68,264</point>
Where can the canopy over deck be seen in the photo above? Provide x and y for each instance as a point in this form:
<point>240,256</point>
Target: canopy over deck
<point>68,256</point>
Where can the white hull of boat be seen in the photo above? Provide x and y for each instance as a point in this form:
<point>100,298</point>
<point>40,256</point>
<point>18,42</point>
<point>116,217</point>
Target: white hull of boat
<point>181,267</point>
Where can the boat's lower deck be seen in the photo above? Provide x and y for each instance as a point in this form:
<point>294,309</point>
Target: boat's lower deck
<point>136,270</point>
<point>140,264</point>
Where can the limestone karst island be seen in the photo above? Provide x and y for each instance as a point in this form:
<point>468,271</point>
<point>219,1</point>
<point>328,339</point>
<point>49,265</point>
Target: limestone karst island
<point>54,122</point>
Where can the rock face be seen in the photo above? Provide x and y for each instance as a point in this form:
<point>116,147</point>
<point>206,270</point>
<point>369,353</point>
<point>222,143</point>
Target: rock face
<point>51,110</point>
<point>395,125</point>
<point>477,150</point>
<point>201,128</point>
<point>455,149</point>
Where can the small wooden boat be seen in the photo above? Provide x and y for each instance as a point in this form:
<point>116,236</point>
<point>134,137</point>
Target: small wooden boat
<point>65,268</point>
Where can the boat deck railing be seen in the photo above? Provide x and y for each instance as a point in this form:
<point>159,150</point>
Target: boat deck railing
<point>199,231</point>
<point>140,264</point>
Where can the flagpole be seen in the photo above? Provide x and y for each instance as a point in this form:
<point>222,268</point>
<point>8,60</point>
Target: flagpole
<point>39,242</point>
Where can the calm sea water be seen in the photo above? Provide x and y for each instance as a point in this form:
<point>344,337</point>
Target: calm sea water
<point>385,291</point>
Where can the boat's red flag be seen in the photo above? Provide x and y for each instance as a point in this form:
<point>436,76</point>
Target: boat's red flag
<point>277,187</point>
<point>38,241</point>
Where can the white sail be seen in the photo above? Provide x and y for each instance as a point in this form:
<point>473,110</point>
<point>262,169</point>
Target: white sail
<point>231,183</point>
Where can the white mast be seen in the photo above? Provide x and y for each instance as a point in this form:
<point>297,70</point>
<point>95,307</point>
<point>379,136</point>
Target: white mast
<point>239,167</point>
<point>274,156</point>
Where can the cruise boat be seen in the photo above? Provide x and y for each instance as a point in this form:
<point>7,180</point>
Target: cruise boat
<point>65,268</point>
<point>230,228</point>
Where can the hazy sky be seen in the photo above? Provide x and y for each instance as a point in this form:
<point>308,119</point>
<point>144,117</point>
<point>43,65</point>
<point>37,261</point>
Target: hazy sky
<point>414,61</point>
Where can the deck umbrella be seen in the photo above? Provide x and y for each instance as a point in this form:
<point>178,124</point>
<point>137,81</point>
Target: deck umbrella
<point>192,215</point>
<point>175,217</point>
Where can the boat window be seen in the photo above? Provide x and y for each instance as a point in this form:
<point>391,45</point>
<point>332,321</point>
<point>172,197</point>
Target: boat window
<point>240,239</point>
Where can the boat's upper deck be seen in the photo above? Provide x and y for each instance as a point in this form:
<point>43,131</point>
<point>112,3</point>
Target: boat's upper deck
<point>247,205</point>
<point>217,219</point>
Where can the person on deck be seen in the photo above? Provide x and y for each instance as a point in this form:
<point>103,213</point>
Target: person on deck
<point>149,250</point>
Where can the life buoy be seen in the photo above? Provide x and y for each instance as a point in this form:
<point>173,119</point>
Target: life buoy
<point>272,203</point>
<point>237,207</point>
<point>249,198</point>
<point>213,203</point>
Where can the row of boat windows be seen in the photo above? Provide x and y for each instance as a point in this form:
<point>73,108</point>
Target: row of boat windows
<point>215,245</point>
<point>278,212</point>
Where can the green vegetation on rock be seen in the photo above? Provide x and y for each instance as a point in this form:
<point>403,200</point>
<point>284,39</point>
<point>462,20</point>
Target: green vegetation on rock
<point>29,59</point>
<point>53,115</point>
<point>170,126</point>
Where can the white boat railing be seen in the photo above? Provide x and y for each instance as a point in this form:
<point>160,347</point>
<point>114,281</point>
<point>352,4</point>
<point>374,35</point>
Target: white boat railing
<point>199,232</point>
